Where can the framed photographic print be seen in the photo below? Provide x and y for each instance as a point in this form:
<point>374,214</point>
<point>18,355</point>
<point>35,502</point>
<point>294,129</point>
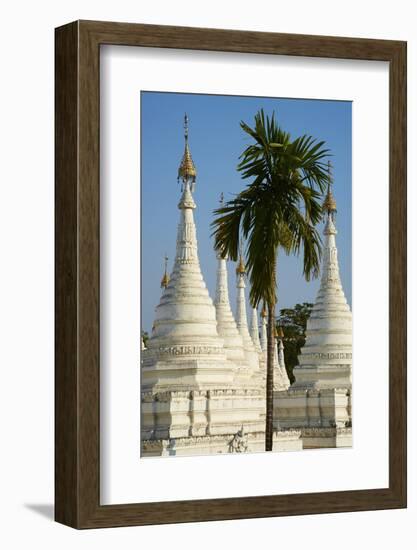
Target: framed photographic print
<point>230,274</point>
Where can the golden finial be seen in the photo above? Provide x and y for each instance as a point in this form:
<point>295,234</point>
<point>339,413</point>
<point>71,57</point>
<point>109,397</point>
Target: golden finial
<point>329,204</point>
<point>187,171</point>
<point>240,270</point>
<point>165,278</point>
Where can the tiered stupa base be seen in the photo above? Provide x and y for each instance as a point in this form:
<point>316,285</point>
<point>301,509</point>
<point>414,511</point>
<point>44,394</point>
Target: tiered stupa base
<point>174,414</point>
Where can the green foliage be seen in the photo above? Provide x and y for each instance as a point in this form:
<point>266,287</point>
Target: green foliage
<point>293,322</point>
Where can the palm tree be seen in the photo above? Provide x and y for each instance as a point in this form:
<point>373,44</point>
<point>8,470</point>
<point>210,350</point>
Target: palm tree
<point>279,208</point>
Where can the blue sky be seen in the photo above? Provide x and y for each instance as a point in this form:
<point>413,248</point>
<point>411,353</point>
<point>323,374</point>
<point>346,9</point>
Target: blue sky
<point>216,141</point>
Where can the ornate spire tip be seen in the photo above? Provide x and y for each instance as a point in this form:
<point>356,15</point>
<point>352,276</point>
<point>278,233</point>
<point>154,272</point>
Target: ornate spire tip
<point>240,269</point>
<point>329,204</point>
<point>165,278</point>
<point>186,170</point>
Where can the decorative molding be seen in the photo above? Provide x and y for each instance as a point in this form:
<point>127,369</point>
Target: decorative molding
<point>186,350</point>
<point>164,396</point>
<point>321,355</point>
<point>155,444</point>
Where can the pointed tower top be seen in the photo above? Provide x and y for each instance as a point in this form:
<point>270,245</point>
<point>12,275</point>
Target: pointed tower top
<point>186,170</point>
<point>329,204</point>
<point>241,269</point>
<point>165,277</point>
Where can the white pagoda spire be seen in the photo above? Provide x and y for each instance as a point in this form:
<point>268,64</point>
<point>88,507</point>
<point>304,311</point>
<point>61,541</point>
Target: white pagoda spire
<point>264,333</point>
<point>241,319</point>
<point>226,324</point>
<point>281,359</point>
<point>254,330</point>
<point>165,277</point>
<point>185,350</point>
<point>326,358</point>
<point>281,381</point>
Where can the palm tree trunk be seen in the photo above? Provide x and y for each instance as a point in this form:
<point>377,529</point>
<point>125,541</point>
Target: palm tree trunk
<point>270,371</point>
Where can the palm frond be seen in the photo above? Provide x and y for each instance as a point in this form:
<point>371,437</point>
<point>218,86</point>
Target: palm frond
<point>278,208</point>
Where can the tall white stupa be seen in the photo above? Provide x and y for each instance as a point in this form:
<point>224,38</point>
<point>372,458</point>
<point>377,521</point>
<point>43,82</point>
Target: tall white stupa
<point>320,400</point>
<point>281,380</point>
<point>185,349</point>
<point>264,330</point>
<point>254,330</point>
<point>226,324</point>
<point>326,358</point>
<point>251,354</point>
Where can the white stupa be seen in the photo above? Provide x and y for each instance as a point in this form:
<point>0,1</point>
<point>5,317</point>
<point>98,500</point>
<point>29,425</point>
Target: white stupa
<point>226,324</point>
<point>283,380</point>
<point>251,354</point>
<point>264,336</point>
<point>326,358</point>
<point>185,350</point>
<point>254,330</point>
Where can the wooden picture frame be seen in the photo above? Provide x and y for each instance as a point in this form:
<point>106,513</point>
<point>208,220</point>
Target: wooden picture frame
<point>77,404</point>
